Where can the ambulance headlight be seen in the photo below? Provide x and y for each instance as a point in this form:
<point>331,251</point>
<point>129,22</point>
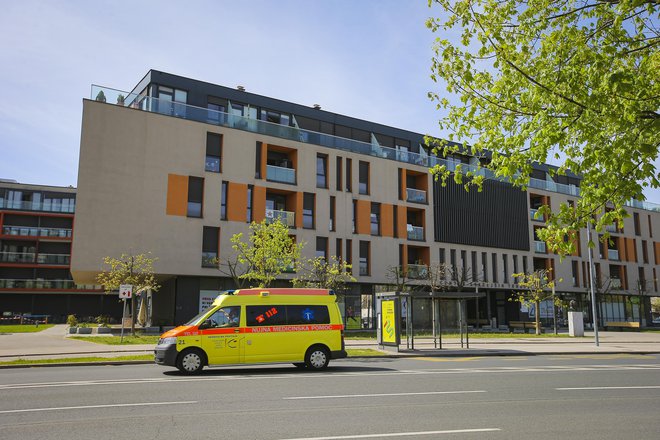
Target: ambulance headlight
<point>167,341</point>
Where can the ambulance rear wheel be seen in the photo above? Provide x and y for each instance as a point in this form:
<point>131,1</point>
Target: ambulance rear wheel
<point>190,361</point>
<point>317,357</point>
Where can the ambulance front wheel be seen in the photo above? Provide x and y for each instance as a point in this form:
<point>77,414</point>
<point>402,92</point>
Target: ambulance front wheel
<point>190,361</point>
<point>317,357</point>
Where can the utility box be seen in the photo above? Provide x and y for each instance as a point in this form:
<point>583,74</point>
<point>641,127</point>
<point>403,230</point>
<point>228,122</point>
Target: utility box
<point>575,324</point>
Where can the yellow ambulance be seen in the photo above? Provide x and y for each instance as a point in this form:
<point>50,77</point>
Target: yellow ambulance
<point>250,326</point>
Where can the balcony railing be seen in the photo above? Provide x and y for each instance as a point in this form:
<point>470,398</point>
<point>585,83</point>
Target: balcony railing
<point>532,215</point>
<point>286,217</point>
<point>17,257</point>
<point>615,283</point>
<point>39,284</point>
<point>201,114</point>
<point>417,271</point>
<point>613,254</point>
<point>280,174</point>
<point>415,232</point>
<point>55,259</point>
<point>539,247</point>
<point>415,195</point>
<point>46,205</point>
<point>27,231</point>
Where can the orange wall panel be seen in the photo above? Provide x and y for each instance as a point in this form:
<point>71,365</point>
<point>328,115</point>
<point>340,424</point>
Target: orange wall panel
<point>386,220</point>
<point>363,217</point>
<point>403,183</point>
<point>259,203</point>
<point>177,195</point>
<point>401,222</point>
<point>236,202</point>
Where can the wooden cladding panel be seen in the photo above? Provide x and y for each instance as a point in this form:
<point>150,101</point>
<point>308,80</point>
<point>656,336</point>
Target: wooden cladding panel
<point>177,195</point>
<point>386,219</point>
<point>363,217</point>
<point>401,222</point>
<point>236,202</point>
<point>259,203</point>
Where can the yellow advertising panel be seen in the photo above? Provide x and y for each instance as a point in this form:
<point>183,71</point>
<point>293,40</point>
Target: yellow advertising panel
<point>388,322</point>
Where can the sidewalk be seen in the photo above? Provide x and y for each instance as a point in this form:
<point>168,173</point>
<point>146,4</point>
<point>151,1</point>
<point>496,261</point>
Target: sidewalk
<point>53,343</point>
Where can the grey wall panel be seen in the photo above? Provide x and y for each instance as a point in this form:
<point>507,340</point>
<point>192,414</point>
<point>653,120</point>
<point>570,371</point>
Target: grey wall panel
<point>496,217</point>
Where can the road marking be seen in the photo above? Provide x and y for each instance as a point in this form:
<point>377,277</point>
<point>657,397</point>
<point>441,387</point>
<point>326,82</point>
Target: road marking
<point>343,396</point>
<point>117,405</point>
<point>603,356</point>
<point>438,359</point>
<point>398,434</point>
<point>645,387</point>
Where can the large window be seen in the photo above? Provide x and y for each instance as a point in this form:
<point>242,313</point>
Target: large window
<point>195,196</point>
<point>339,176</point>
<point>250,191</point>
<point>321,171</point>
<point>210,244</point>
<point>332,226</point>
<point>322,247</point>
<point>349,175</point>
<point>267,315</point>
<point>308,210</point>
<point>275,117</point>
<point>363,187</point>
<point>365,251</point>
<point>223,202</point>
<point>213,152</point>
<point>375,219</point>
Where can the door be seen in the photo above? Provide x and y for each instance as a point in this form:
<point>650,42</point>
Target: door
<point>221,336</point>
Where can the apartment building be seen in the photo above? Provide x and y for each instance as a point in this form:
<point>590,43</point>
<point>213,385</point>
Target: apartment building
<point>176,166</point>
<point>36,229</point>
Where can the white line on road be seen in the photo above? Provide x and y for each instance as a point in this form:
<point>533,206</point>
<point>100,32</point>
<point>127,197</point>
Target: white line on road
<point>645,387</point>
<point>117,405</point>
<point>398,434</point>
<point>381,395</point>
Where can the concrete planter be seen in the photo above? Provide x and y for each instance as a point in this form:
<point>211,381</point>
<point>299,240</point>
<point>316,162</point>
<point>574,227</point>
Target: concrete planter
<point>73,330</point>
<point>103,330</point>
<point>84,330</point>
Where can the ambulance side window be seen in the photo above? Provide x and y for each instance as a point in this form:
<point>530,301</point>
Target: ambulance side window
<point>225,317</point>
<point>265,315</point>
<point>307,315</point>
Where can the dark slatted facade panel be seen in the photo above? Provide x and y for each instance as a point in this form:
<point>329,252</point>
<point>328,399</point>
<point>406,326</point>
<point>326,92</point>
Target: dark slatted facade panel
<point>496,217</point>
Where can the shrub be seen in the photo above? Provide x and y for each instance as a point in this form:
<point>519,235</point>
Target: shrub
<point>72,321</point>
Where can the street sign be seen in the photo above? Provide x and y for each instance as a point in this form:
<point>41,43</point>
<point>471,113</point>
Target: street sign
<point>125,291</point>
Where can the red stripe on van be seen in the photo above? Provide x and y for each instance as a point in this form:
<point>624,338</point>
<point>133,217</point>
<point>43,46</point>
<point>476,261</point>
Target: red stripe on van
<point>290,292</point>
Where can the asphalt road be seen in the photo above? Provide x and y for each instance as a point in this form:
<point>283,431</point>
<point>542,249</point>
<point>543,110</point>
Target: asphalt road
<point>540,397</point>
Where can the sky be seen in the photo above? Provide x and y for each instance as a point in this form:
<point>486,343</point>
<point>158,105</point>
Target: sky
<point>369,59</point>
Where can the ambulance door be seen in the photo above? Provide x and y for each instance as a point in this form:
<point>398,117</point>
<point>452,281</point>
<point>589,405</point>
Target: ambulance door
<point>221,337</point>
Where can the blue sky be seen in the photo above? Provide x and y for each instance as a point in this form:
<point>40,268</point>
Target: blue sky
<point>367,59</point>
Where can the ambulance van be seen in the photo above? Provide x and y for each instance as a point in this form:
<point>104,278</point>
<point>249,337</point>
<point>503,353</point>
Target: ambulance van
<point>251,326</point>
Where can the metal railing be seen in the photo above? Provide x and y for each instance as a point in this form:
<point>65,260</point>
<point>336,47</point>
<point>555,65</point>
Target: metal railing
<point>611,228</point>
<point>55,259</point>
<point>46,205</point>
<point>532,215</point>
<point>29,231</point>
<point>17,257</point>
<point>415,232</point>
<point>37,284</point>
<point>539,247</point>
<point>415,195</point>
<point>280,174</point>
<point>286,217</point>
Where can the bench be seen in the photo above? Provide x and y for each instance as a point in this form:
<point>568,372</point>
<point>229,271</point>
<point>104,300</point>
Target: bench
<point>525,325</point>
<point>622,324</point>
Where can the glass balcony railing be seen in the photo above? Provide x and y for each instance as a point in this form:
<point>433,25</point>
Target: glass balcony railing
<point>417,271</point>
<point>67,206</point>
<point>286,217</point>
<point>205,115</point>
<point>613,254</point>
<point>55,259</point>
<point>532,215</point>
<point>539,247</point>
<point>415,232</point>
<point>615,283</point>
<point>280,174</point>
<point>39,284</point>
<point>28,231</point>
<point>17,257</point>
<point>364,267</point>
<point>415,195</point>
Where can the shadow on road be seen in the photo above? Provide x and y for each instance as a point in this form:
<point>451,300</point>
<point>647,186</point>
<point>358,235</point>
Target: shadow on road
<point>282,370</point>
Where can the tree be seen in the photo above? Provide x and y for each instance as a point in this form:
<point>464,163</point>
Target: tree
<point>136,270</point>
<point>537,287</point>
<point>320,273</point>
<point>270,250</point>
<point>232,268</point>
<point>575,81</point>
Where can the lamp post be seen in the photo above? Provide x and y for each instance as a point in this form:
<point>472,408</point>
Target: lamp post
<point>591,284</point>
<point>554,309</point>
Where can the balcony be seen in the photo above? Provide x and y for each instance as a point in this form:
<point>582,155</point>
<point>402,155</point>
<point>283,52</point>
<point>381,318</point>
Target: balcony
<point>417,271</point>
<point>613,254</point>
<point>38,284</point>
<point>539,247</point>
<point>27,231</point>
<point>415,195</point>
<point>611,228</point>
<point>280,174</point>
<point>415,232</point>
<point>54,259</point>
<point>67,206</point>
<point>364,267</point>
<point>286,217</point>
<point>17,257</point>
<point>533,215</point>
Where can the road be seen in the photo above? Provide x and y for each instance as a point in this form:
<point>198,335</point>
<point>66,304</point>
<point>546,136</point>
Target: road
<point>540,397</point>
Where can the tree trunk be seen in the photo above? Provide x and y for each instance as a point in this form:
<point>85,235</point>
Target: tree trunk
<point>537,317</point>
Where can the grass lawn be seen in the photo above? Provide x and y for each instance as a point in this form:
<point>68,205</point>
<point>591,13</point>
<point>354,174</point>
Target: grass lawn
<point>353,352</point>
<point>24,328</point>
<point>145,357</point>
<point>114,340</point>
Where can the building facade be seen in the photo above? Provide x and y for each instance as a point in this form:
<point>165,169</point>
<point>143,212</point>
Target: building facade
<point>36,230</point>
<point>177,166</point>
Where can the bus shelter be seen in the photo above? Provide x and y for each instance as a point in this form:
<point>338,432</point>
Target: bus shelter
<point>395,316</point>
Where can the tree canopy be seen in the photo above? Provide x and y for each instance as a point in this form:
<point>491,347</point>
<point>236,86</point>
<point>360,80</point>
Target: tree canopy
<point>573,82</point>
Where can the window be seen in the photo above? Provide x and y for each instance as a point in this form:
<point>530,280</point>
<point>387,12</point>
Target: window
<point>256,316</point>
<point>195,196</point>
<point>250,191</point>
<point>275,117</point>
<point>575,273</point>
<point>268,315</point>
<point>349,175</point>
<point>353,218</point>
<point>515,264</point>
<point>484,266</point>
<point>364,257</point>
<point>257,163</point>
<point>216,112</point>
<point>223,202</point>
<point>505,266</point>
<point>363,178</point>
<point>322,247</point>
<point>645,252</point>
<point>375,219</point>
<point>332,225</point>
<point>524,263</point>
<point>650,227</point>
<point>224,317</point>
<point>210,242</point>
<point>300,315</point>
<point>636,221</point>
<point>308,210</point>
<point>464,266</point>
<point>495,268</point>
<point>213,152</point>
<point>339,174</point>
<point>475,275</point>
<point>452,262</point>
<point>321,171</point>
<point>349,251</point>
<point>442,256</point>
<point>338,250</point>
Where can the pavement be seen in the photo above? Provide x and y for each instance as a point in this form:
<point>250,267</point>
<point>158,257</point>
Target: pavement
<point>53,343</point>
